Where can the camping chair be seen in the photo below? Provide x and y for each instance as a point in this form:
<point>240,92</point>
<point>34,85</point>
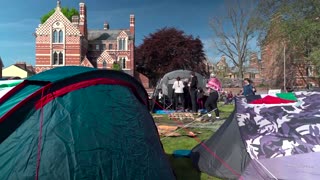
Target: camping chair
<point>167,102</point>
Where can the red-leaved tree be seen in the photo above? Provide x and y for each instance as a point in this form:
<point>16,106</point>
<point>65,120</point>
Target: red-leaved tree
<point>169,49</point>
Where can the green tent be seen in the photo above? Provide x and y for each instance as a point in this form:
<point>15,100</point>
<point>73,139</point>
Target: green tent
<point>79,123</point>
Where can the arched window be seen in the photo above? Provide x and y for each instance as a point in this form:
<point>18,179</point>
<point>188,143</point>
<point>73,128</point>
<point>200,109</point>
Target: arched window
<point>60,36</point>
<point>122,44</point>
<point>60,58</point>
<point>55,58</point>
<point>57,36</point>
<point>123,63</point>
<point>104,65</point>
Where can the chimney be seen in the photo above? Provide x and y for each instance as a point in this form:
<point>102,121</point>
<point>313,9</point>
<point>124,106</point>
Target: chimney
<point>75,20</point>
<point>132,22</point>
<point>83,19</point>
<point>106,26</point>
<point>22,65</point>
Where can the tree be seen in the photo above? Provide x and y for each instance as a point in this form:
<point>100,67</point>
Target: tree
<point>298,24</point>
<point>233,32</point>
<point>169,49</point>
<point>116,66</point>
<point>65,11</point>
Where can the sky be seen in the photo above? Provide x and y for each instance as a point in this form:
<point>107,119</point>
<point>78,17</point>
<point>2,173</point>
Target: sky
<point>19,19</point>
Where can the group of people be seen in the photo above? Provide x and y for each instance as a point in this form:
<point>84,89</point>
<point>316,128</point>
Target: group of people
<point>183,92</point>
<point>198,97</point>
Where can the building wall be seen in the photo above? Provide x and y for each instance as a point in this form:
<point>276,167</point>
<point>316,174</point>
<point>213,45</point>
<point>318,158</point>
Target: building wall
<point>13,71</point>
<point>76,46</point>
<point>69,45</point>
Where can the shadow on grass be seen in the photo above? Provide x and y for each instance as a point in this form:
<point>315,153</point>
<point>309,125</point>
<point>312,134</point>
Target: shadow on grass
<point>183,168</point>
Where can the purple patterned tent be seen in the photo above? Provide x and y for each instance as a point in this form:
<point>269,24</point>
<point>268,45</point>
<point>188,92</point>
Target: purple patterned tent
<point>260,141</point>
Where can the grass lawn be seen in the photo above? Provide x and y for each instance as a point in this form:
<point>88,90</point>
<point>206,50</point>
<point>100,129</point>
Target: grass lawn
<point>183,166</point>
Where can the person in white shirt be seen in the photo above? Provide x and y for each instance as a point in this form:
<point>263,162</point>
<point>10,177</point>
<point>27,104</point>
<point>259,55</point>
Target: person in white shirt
<point>178,93</point>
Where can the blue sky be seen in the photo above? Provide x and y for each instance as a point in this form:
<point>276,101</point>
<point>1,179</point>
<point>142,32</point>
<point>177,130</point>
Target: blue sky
<point>18,20</point>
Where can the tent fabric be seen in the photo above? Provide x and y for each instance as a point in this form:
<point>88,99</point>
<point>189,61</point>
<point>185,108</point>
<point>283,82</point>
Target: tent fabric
<point>271,100</point>
<point>277,134</point>
<point>232,157</point>
<point>278,131</point>
<point>100,131</point>
<point>287,96</point>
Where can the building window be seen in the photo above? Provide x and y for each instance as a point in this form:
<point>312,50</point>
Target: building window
<point>123,63</point>
<point>103,47</point>
<point>110,47</point>
<point>309,71</point>
<point>57,36</point>
<point>60,58</point>
<point>57,58</point>
<point>60,36</point>
<point>97,47</point>
<point>122,44</point>
<point>104,65</point>
<point>252,76</point>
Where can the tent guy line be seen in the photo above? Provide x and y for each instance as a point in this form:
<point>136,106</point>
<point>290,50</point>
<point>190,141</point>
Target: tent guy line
<point>207,148</point>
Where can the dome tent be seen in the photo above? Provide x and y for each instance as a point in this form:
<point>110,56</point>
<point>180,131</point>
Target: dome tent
<point>165,85</point>
<point>166,82</point>
<point>79,123</point>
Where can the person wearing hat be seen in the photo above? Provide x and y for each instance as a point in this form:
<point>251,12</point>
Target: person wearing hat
<point>211,104</point>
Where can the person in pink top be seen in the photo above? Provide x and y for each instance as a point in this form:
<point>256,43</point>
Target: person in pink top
<point>211,104</point>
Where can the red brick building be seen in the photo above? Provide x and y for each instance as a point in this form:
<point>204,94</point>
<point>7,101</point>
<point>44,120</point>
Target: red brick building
<point>64,42</point>
<point>230,75</point>
<point>283,64</point>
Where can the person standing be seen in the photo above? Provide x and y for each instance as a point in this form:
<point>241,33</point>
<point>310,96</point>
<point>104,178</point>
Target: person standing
<point>211,104</point>
<point>193,91</point>
<point>178,93</point>
<point>247,88</point>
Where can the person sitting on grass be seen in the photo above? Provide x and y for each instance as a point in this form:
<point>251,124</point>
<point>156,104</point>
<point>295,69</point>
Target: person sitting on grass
<point>229,98</point>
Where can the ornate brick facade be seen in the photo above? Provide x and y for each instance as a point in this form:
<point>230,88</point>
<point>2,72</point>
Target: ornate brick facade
<point>64,42</point>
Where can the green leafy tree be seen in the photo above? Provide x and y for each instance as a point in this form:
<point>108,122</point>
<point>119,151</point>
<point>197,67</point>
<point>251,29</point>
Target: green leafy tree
<point>116,66</point>
<point>65,10</point>
<point>169,49</point>
<point>295,23</point>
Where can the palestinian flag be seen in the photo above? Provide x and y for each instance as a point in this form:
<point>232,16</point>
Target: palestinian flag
<point>7,85</point>
<point>279,98</point>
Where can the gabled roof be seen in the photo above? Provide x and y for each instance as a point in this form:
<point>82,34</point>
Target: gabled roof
<point>85,62</point>
<point>99,35</point>
<point>44,29</point>
<point>25,67</point>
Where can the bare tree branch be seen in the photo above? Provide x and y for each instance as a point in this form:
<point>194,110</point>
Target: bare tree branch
<point>234,31</point>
